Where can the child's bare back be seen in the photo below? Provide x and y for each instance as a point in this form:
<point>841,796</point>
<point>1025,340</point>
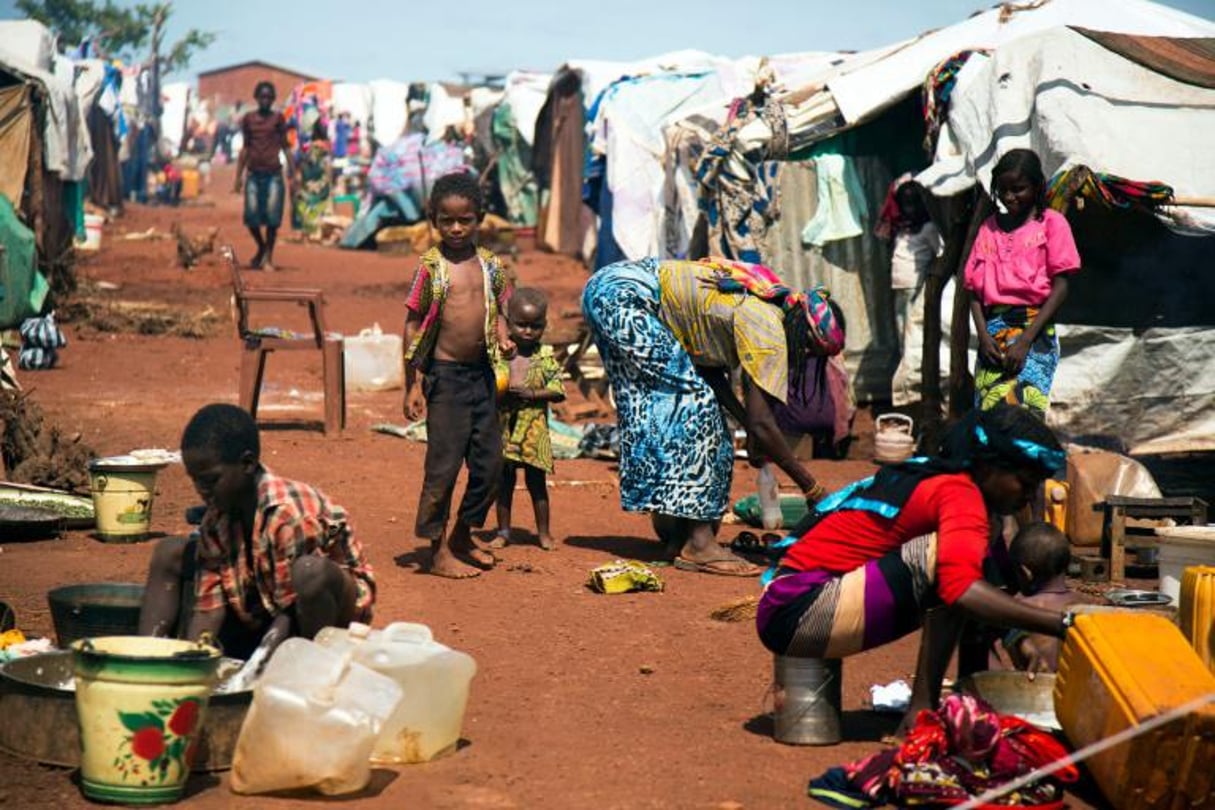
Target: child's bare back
<point>461,336</point>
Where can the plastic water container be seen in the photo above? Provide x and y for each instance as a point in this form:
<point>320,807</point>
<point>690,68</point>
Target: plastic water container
<point>1196,611</point>
<point>769,498</point>
<point>1056,504</point>
<point>433,678</point>
<point>1117,670</point>
<point>92,232</point>
<point>373,361</point>
<point>314,719</point>
<point>191,184</point>
<point>1180,548</point>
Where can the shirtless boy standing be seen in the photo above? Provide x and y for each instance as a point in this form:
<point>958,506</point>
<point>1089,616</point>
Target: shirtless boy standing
<point>452,333</point>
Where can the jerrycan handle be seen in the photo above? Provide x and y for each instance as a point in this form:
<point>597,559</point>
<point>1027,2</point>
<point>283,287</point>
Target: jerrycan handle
<point>408,632</point>
<point>326,695</point>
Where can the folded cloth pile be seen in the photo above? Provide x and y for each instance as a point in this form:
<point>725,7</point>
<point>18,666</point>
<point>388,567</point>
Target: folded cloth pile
<point>951,755</point>
<point>622,576</point>
<point>40,343</point>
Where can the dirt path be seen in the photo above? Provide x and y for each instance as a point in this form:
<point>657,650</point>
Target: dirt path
<point>581,700</point>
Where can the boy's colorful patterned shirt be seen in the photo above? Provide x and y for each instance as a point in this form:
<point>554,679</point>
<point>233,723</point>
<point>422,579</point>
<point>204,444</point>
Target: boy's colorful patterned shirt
<point>429,293</point>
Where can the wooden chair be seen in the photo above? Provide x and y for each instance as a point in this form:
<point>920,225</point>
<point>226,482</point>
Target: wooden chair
<point>1117,508</point>
<point>258,343</point>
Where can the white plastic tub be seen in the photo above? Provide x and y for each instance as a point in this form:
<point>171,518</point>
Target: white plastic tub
<point>92,232</point>
<point>1180,548</point>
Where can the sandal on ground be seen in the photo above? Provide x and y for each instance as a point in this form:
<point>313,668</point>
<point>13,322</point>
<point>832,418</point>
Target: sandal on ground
<point>722,566</point>
<point>747,543</point>
<point>750,543</point>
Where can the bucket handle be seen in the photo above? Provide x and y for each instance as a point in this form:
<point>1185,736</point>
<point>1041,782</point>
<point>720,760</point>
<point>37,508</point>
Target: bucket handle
<point>100,481</point>
<point>907,422</point>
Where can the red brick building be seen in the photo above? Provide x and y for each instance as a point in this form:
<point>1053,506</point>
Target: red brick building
<point>227,85</point>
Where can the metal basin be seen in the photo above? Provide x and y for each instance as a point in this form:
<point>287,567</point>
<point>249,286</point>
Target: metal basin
<point>38,704</point>
<point>1013,693</point>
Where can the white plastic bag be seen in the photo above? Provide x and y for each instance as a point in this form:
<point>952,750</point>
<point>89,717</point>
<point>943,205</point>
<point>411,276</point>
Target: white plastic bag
<point>769,498</point>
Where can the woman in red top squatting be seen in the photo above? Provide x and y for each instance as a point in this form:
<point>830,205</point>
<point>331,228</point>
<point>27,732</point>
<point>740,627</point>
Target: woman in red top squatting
<point>872,561</point>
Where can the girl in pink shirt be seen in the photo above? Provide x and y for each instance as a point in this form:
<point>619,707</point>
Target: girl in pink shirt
<point>1017,277</point>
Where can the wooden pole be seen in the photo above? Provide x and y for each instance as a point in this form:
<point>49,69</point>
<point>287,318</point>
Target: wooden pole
<point>961,397</point>
<point>158,21</point>
<point>934,286</point>
<point>1194,202</point>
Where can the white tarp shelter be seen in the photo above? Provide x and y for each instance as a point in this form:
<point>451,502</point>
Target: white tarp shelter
<point>1076,102</point>
<point>525,92</point>
<point>861,94</point>
<point>388,110</point>
<point>28,48</point>
<point>630,124</point>
<point>353,98</point>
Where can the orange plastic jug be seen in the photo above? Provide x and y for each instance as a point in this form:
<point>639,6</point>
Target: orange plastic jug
<point>1117,670</point>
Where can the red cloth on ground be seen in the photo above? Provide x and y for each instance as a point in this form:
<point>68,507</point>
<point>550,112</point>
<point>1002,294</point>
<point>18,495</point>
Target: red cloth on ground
<point>960,751</point>
<point>950,505</point>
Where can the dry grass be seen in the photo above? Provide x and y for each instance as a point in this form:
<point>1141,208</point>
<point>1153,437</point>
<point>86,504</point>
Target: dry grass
<point>90,315</point>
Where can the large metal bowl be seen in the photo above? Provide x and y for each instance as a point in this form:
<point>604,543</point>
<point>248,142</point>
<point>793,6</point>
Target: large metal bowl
<point>1012,692</point>
<point>38,707</point>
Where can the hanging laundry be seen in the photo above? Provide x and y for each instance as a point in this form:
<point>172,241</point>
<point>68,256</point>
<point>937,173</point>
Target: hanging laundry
<point>842,211</point>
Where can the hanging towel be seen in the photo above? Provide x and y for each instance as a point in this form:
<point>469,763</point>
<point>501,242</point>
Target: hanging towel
<point>841,211</point>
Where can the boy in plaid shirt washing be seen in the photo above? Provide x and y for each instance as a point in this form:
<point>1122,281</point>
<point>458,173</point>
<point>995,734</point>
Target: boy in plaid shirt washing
<point>272,558</point>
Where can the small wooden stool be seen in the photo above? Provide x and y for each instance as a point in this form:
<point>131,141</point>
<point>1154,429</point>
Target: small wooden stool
<point>1118,508</point>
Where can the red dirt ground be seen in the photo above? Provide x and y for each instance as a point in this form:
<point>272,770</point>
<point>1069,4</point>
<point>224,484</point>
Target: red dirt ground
<point>563,712</point>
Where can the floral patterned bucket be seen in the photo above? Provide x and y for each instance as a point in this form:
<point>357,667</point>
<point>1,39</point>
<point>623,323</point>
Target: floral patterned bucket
<point>140,702</point>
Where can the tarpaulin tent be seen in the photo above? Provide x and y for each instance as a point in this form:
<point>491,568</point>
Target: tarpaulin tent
<point>566,225</point>
<point>862,91</point>
<point>401,177</point>
<point>389,112</point>
<point>45,125</point>
<point>27,49</point>
<point>1137,333</point>
<point>512,130</point>
<point>22,288</point>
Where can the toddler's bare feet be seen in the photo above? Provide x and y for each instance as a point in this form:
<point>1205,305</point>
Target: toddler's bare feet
<point>501,539</point>
<point>547,542</point>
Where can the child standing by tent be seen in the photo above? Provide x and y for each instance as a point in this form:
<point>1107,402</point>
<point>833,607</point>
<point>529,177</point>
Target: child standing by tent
<point>1017,277</point>
<point>916,243</point>
<point>453,336</point>
<point>535,382</point>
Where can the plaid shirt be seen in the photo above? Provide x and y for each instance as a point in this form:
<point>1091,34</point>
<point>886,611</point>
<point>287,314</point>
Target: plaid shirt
<point>429,292</point>
<point>292,520</point>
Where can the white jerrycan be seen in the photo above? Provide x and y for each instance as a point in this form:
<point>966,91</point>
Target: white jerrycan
<point>434,680</point>
<point>314,719</point>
